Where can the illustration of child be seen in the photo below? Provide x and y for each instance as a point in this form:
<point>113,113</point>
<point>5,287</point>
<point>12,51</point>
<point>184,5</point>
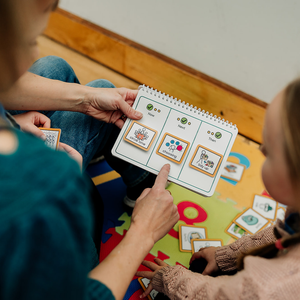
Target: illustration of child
<point>261,266</point>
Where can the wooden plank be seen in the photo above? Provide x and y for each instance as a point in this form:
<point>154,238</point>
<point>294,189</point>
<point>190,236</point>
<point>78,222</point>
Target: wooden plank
<point>151,68</point>
<point>85,68</point>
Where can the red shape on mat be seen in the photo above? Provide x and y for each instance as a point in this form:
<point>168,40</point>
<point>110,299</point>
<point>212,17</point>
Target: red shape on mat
<point>202,216</point>
<point>265,193</point>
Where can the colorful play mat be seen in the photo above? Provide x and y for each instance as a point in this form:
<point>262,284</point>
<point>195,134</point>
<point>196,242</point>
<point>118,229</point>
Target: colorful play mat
<point>216,213</point>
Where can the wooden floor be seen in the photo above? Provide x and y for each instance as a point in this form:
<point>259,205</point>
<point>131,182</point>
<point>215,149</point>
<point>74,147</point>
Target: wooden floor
<point>85,68</point>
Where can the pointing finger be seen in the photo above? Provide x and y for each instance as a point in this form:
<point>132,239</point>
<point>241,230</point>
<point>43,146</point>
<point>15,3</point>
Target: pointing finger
<point>162,177</point>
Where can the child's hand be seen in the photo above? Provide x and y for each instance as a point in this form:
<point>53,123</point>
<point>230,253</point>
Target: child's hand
<point>209,255</point>
<point>150,274</point>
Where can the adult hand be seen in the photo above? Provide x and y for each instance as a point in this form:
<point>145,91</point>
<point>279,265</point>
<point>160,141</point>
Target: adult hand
<point>154,267</point>
<point>111,105</point>
<point>209,254</point>
<point>74,154</point>
<point>30,121</point>
<point>154,212</point>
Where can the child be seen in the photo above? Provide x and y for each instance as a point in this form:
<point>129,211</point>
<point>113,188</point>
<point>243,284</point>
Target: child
<point>268,263</point>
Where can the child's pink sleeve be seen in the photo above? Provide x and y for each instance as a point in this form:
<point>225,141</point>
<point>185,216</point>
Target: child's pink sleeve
<point>226,256</point>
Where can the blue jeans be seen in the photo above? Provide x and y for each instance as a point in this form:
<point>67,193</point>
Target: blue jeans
<point>90,137</point>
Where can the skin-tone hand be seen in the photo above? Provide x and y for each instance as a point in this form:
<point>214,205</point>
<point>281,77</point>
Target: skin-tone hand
<point>30,121</point>
<point>209,254</point>
<point>110,105</point>
<point>33,92</point>
<point>74,154</point>
<point>154,267</point>
<point>153,216</point>
<point>206,253</point>
<point>161,215</point>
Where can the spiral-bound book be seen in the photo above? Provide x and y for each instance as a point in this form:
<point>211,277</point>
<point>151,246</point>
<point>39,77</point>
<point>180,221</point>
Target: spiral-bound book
<point>195,143</point>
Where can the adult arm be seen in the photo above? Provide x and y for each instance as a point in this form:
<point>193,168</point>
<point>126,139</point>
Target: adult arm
<point>33,92</point>
<point>153,216</point>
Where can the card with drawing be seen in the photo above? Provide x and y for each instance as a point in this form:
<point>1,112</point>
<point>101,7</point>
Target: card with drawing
<point>140,135</point>
<point>187,233</point>
<point>251,221</point>
<point>52,137</point>
<point>233,171</point>
<point>144,282</point>
<point>265,206</point>
<point>235,231</point>
<point>280,214</point>
<point>198,244</point>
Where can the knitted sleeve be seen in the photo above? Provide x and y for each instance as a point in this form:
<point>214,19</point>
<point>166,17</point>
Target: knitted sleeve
<point>226,256</point>
<point>181,284</point>
<point>261,278</point>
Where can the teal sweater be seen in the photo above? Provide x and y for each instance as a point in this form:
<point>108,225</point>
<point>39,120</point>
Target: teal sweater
<point>46,249</point>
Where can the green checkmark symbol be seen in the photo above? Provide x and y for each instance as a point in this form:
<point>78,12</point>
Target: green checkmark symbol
<point>183,120</point>
<point>218,135</point>
<point>149,106</point>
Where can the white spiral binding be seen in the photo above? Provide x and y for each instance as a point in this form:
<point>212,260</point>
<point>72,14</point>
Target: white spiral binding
<point>186,106</point>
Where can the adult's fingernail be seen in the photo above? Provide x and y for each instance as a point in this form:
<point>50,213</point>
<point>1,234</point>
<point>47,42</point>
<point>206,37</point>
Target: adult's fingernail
<point>138,114</point>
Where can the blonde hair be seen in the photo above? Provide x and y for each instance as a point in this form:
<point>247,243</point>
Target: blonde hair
<point>290,120</point>
<point>291,129</point>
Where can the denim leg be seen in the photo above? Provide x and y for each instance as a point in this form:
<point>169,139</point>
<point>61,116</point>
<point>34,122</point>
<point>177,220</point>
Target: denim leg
<point>54,67</point>
<point>84,133</point>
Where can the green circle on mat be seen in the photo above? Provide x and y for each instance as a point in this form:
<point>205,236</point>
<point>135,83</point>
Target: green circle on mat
<point>191,213</point>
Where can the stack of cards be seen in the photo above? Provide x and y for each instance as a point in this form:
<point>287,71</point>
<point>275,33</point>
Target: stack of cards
<point>193,238</point>
<point>263,213</point>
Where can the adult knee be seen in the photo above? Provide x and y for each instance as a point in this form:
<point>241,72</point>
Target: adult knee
<point>101,83</point>
<point>54,67</point>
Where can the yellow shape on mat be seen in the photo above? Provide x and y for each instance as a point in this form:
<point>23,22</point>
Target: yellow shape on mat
<point>105,177</point>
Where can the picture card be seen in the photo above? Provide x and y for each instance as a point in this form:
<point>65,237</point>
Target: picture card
<point>140,135</point>
<point>251,221</point>
<point>197,244</point>
<point>280,214</point>
<point>52,137</point>
<point>144,282</point>
<point>206,161</point>
<point>235,231</point>
<point>233,171</point>
<point>265,206</point>
<point>173,148</point>
<point>187,233</point>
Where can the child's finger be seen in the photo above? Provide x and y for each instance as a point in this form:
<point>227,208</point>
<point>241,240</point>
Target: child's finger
<point>147,291</point>
<point>196,255</point>
<point>208,270</point>
<point>145,274</point>
<point>160,262</point>
<point>150,265</point>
